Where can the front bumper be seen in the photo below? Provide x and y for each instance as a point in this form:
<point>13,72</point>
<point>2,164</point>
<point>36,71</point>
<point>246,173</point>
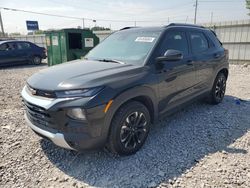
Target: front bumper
<point>56,138</point>
<point>47,117</point>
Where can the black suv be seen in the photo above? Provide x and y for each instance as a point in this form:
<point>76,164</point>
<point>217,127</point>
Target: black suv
<point>125,84</point>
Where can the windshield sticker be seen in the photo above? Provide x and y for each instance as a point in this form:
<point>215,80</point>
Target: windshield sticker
<point>144,39</point>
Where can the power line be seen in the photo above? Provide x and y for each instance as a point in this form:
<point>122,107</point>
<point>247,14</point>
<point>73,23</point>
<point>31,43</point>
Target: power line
<point>40,13</point>
<point>72,17</point>
<point>138,8</point>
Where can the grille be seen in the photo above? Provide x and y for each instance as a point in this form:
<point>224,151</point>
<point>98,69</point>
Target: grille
<point>37,92</point>
<point>38,115</point>
<point>45,94</point>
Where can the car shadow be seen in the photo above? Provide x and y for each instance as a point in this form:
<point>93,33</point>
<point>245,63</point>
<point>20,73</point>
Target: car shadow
<point>23,65</point>
<point>173,147</point>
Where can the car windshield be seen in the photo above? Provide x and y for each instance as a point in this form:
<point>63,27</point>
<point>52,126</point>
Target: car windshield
<point>127,46</point>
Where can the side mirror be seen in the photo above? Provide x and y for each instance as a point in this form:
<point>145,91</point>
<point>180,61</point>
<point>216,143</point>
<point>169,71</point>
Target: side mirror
<point>171,55</point>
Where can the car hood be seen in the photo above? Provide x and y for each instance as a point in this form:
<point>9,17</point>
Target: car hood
<point>82,74</point>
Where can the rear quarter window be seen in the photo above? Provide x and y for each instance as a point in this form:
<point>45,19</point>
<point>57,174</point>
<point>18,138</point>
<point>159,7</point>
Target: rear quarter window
<point>214,39</point>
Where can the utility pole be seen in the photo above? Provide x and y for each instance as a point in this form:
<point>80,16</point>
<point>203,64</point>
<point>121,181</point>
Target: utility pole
<point>135,23</point>
<point>195,13</point>
<point>1,23</point>
<point>83,24</point>
<point>212,16</point>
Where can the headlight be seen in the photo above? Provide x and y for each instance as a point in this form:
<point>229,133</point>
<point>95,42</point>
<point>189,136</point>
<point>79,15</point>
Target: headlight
<point>78,92</point>
<point>76,113</point>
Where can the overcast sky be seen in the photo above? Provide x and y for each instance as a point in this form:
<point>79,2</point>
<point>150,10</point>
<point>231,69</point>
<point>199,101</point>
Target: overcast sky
<point>123,12</point>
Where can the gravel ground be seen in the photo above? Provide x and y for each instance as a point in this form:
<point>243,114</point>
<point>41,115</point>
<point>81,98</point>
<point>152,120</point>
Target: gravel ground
<point>200,146</point>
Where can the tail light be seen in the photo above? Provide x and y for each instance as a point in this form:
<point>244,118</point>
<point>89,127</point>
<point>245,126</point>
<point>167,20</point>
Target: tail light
<point>45,51</point>
<point>227,53</point>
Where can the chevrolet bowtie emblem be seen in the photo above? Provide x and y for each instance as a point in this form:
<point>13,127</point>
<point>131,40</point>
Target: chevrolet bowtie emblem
<point>33,91</point>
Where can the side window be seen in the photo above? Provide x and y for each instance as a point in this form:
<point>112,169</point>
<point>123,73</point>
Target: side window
<point>8,46</point>
<point>4,47</point>
<point>214,39</point>
<point>199,42</point>
<point>176,41</point>
<point>23,45</point>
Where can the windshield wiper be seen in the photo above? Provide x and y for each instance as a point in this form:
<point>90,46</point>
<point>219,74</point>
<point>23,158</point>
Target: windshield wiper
<point>111,61</point>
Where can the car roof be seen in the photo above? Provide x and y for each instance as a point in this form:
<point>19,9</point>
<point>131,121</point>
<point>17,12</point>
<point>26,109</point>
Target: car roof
<point>163,28</point>
<point>142,29</point>
<point>4,41</point>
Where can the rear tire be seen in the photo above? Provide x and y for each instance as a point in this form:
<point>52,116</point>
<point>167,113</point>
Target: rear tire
<point>218,91</point>
<point>36,60</point>
<point>129,129</point>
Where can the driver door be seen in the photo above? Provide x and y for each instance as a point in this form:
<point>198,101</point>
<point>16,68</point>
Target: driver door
<point>176,78</point>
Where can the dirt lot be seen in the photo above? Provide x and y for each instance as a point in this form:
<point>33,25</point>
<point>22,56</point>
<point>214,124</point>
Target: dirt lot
<point>200,146</point>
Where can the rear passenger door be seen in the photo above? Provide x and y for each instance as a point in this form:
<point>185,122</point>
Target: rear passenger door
<point>205,59</point>
<point>23,51</point>
<point>176,78</point>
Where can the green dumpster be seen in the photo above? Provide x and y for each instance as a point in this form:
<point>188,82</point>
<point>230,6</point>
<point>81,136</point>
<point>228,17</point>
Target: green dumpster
<point>69,44</point>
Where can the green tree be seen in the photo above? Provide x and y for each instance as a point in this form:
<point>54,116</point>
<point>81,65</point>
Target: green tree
<point>15,34</point>
<point>98,28</point>
<point>39,32</point>
<point>248,5</point>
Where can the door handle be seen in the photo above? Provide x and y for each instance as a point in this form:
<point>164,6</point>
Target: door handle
<point>164,71</point>
<point>217,56</point>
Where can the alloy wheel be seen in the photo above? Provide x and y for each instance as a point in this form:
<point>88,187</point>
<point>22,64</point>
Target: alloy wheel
<point>133,130</point>
<point>37,60</point>
<point>220,88</point>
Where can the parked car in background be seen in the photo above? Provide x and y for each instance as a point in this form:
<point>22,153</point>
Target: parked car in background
<point>20,52</point>
<point>127,82</point>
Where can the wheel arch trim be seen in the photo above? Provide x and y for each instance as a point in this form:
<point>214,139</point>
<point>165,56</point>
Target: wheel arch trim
<point>130,94</point>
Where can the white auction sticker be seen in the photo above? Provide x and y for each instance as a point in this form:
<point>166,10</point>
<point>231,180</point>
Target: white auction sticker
<point>89,42</point>
<point>55,40</point>
<point>144,39</point>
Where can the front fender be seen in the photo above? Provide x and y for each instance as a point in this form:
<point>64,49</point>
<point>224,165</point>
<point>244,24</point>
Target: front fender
<point>125,96</point>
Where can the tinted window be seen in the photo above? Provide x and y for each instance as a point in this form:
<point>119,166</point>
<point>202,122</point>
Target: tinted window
<point>176,41</point>
<point>23,45</point>
<point>7,46</point>
<point>199,42</point>
<point>213,37</point>
<point>4,47</point>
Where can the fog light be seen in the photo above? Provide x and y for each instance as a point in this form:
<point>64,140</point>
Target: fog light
<point>76,113</point>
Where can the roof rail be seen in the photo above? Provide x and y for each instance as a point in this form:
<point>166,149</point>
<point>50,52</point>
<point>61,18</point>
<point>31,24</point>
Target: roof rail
<point>181,24</point>
<point>127,28</point>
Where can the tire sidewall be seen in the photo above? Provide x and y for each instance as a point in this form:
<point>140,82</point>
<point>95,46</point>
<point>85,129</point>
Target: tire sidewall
<point>214,98</point>
<point>116,125</point>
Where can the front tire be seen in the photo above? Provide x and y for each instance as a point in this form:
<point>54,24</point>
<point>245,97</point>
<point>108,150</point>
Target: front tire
<point>219,88</point>
<point>129,129</point>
